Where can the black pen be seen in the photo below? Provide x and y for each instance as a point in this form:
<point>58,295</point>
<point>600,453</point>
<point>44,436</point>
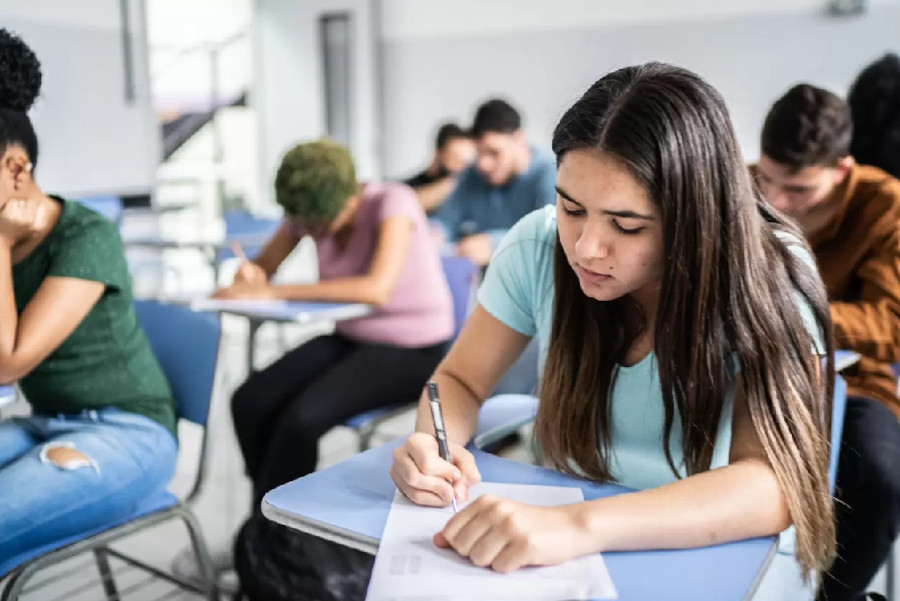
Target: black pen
<point>438,417</point>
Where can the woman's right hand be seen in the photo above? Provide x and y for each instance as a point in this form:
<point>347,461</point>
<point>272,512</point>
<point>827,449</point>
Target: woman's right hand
<point>424,477</point>
<point>251,274</point>
<point>19,217</point>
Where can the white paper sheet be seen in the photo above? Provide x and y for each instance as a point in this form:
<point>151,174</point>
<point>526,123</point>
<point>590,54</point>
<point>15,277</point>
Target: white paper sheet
<point>215,304</point>
<point>408,566</point>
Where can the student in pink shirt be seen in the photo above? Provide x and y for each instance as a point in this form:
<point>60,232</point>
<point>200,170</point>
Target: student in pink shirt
<point>373,247</point>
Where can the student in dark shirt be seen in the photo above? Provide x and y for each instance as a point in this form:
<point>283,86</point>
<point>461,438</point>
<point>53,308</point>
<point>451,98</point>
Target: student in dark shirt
<point>102,433</point>
<point>875,106</point>
<point>453,151</point>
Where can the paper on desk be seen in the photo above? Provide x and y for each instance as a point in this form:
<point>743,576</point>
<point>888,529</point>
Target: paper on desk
<point>408,566</point>
<point>220,304</point>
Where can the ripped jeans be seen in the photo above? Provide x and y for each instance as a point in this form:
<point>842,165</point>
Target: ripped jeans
<point>120,458</point>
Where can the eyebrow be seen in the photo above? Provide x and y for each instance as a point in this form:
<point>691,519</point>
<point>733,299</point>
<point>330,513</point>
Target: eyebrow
<point>626,214</point>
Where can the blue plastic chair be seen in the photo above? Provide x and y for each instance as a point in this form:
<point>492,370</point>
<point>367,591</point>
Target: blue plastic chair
<point>502,415</point>
<point>110,207</point>
<point>7,396</point>
<point>187,347</point>
<point>838,411</point>
<point>462,277</point>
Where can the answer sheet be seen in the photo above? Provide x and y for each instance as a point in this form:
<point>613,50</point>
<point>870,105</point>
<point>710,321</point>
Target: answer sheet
<point>215,304</point>
<point>409,567</point>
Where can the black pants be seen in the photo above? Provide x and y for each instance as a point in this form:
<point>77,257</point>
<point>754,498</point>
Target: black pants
<point>281,412</point>
<point>868,492</point>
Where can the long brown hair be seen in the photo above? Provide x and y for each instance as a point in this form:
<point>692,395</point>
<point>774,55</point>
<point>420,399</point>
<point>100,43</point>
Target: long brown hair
<point>729,292</point>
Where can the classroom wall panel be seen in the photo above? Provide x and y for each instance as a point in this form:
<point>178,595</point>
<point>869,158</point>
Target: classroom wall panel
<point>95,137</point>
<point>442,58</point>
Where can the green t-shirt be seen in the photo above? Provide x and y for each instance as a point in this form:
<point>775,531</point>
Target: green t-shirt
<point>107,360</point>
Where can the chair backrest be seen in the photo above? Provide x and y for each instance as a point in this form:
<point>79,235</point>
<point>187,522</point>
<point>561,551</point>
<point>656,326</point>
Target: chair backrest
<point>110,207</point>
<point>838,411</point>
<point>186,344</point>
<point>462,277</point>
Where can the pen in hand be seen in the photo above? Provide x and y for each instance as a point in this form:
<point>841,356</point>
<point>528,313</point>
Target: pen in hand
<point>238,251</point>
<point>439,432</point>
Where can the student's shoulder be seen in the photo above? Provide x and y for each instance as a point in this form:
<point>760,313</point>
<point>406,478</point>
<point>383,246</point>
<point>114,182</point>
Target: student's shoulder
<point>535,233</point>
<point>797,245</point>
<point>394,191</point>
<point>874,206</point>
<point>877,192</point>
<point>80,222</point>
<point>387,199</point>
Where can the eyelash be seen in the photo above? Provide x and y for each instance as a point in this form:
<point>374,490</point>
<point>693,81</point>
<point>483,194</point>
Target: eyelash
<point>622,230</point>
<point>619,228</point>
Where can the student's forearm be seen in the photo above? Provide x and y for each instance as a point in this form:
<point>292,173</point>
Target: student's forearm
<point>361,289</point>
<point>742,500</point>
<point>432,195</point>
<point>459,407</point>
<point>871,329</point>
<point>9,319</point>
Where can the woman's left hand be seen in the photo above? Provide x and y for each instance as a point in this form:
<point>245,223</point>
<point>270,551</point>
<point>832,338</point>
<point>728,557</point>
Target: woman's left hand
<point>246,291</point>
<point>507,535</point>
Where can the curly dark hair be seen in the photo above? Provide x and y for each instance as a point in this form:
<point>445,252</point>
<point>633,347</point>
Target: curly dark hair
<point>875,105</point>
<point>315,180</point>
<point>807,126</point>
<point>20,84</point>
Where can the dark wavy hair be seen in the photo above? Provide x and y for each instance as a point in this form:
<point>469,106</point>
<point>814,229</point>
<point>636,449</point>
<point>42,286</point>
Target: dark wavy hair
<point>20,84</point>
<point>875,105</point>
<point>807,126</point>
<point>728,294</point>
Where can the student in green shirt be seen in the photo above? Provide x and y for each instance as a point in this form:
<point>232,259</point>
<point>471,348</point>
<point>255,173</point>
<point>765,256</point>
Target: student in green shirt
<point>102,433</point>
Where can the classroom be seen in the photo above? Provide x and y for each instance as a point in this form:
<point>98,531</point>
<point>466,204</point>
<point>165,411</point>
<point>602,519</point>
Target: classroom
<point>386,300</point>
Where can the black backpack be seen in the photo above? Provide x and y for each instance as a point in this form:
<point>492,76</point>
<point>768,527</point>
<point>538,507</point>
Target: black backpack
<point>276,563</point>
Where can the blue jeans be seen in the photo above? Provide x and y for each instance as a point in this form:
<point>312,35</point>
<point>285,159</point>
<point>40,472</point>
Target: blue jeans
<point>131,457</point>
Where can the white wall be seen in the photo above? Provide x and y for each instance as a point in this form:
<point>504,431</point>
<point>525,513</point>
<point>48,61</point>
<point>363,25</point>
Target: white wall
<point>180,33</point>
<point>440,18</point>
<point>441,58</point>
<point>91,139</point>
<point>288,83</point>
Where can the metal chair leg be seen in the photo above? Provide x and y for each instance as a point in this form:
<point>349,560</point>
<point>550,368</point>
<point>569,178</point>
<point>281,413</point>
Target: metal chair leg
<point>204,560</point>
<point>16,582</point>
<point>365,434</point>
<point>106,575</point>
<point>890,576</point>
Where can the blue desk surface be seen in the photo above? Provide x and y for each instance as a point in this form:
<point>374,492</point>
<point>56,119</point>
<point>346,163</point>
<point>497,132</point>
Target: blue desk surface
<point>845,359</point>
<point>212,243</point>
<point>349,503</point>
<point>7,393</point>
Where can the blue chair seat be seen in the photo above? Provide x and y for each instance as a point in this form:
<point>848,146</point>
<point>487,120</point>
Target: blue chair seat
<point>462,279</point>
<point>502,415</point>
<point>158,502</point>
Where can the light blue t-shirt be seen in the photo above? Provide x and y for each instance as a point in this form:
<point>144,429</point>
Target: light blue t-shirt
<point>518,290</point>
<point>475,206</point>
